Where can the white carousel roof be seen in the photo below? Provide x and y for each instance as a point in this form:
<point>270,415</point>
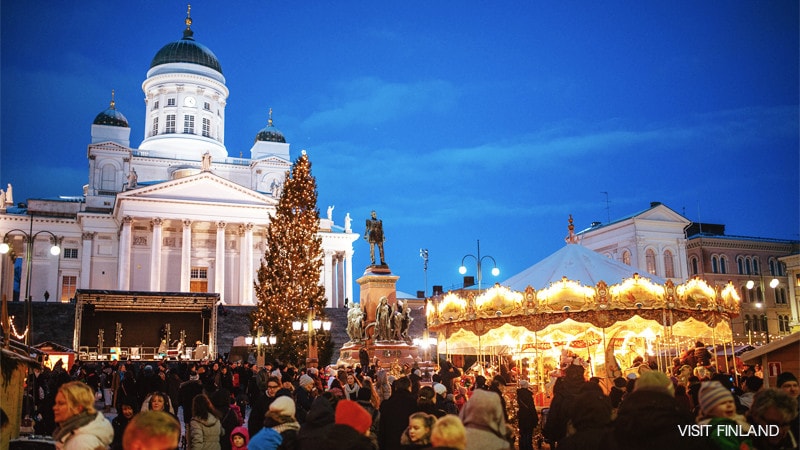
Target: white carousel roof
<point>576,263</point>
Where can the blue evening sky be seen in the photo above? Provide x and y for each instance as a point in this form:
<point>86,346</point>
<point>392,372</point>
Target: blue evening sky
<point>455,121</point>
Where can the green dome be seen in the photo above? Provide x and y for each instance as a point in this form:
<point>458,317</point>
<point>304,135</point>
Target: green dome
<point>186,50</point>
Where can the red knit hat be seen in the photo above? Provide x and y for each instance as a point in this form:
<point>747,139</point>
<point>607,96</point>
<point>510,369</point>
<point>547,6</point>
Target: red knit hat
<point>353,415</point>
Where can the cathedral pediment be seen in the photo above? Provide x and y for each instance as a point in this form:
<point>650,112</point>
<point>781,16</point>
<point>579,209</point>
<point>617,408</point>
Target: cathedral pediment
<point>661,213</point>
<point>203,194</point>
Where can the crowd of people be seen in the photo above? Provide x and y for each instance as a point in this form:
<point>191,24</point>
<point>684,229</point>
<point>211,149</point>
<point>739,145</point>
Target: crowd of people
<point>239,405</point>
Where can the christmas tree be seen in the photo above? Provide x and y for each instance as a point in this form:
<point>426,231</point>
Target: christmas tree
<point>288,286</point>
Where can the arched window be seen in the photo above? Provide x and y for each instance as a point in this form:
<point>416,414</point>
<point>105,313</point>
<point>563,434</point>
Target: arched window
<point>747,266</point>
<point>740,265</point>
<point>759,294</point>
<point>744,294</point>
<point>626,257</point>
<point>714,264</point>
<point>756,269</point>
<point>669,265</point>
<point>650,258</point>
<point>723,264</point>
<point>755,324</point>
<point>695,268</point>
<point>747,325</point>
<point>772,266</point>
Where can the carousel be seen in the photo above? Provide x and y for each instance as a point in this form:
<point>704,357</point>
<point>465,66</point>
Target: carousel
<point>578,306</point>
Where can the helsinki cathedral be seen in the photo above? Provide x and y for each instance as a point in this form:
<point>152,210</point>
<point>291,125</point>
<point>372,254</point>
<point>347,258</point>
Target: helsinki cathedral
<point>176,214</point>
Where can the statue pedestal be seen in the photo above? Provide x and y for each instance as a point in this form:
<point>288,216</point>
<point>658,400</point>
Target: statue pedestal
<point>384,354</point>
<point>377,282</point>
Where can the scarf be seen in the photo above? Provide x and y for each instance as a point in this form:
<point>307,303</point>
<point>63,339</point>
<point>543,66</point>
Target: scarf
<point>73,423</point>
<point>349,392</point>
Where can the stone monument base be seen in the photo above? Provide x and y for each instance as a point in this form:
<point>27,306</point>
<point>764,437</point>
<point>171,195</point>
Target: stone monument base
<point>384,354</point>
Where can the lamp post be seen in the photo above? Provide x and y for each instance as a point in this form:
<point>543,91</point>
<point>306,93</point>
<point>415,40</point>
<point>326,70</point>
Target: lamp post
<point>30,238</point>
<point>478,259</point>
<point>312,326</point>
<point>761,299</point>
<point>260,340</point>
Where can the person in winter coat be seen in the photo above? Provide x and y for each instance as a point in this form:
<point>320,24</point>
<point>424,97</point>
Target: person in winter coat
<point>152,430</point>
<point>119,424</point>
<point>590,420</point>
<point>394,414</point>
<point>80,426</point>
<point>205,427</point>
<point>528,418</point>
<point>351,429</point>
<point>485,422</point>
<point>239,438</point>
<point>221,400</point>
<point>280,420</point>
<point>319,422</point>
<point>564,392</point>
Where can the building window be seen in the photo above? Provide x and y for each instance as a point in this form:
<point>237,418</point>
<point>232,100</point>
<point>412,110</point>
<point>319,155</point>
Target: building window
<point>669,265</point>
<point>188,124</point>
<point>756,270</point>
<point>206,127</point>
<point>155,105</point>
<point>714,264</point>
<point>780,296</point>
<point>199,273</point>
<point>747,325</point>
<point>207,106</point>
<point>68,285</point>
<point>740,265</point>
<point>772,267</point>
<point>108,178</point>
<point>170,128</point>
<point>70,253</point>
<point>626,257</point>
<point>170,102</point>
<point>154,131</point>
<point>695,268</point>
<point>650,258</point>
<point>723,264</point>
<point>748,266</point>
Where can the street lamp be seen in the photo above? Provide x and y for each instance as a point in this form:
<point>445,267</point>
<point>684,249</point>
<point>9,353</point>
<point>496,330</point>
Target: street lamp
<point>30,238</point>
<point>761,299</point>
<point>260,340</point>
<point>478,259</point>
<point>312,326</point>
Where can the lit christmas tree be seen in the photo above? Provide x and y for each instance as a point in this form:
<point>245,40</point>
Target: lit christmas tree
<point>288,281</point>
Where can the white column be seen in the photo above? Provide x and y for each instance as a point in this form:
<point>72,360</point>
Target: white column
<point>348,278</point>
<point>155,256</point>
<point>247,266</point>
<point>327,268</point>
<point>340,278</point>
<point>124,280</point>
<point>86,260</point>
<point>219,264</point>
<point>186,256</point>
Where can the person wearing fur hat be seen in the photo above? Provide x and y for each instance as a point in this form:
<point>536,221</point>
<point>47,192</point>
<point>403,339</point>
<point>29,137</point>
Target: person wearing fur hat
<point>351,430</point>
<point>775,408</point>
<point>787,382</point>
<point>718,407</point>
<point>239,438</point>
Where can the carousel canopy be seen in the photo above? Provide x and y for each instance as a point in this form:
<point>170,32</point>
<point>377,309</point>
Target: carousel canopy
<point>576,263</point>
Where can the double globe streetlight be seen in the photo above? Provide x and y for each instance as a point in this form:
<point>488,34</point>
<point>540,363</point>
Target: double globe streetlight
<point>260,340</point>
<point>311,326</point>
<point>761,299</point>
<point>30,238</point>
<point>479,260</point>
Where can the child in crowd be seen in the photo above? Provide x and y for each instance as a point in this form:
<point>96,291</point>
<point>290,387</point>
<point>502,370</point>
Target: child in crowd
<point>418,433</point>
<point>448,433</point>
<point>717,407</point>
<point>239,438</point>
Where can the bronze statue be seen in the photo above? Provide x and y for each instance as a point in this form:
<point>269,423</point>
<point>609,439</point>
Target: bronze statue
<point>374,235</point>
<point>383,320</point>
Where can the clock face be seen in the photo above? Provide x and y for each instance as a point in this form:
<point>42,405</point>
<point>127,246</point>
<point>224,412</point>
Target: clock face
<point>189,101</point>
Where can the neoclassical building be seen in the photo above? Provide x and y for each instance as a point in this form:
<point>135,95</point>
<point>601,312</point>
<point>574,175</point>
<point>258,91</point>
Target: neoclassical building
<point>176,214</point>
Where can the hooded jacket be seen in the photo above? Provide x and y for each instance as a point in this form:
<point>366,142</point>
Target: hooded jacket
<point>205,433</point>
<point>243,431</point>
<point>485,422</point>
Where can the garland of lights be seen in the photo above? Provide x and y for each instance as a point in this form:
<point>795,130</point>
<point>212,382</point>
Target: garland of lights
<point>14,329</point>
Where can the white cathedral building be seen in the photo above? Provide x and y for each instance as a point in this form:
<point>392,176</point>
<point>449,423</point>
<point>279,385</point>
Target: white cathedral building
<point>176,214</point>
